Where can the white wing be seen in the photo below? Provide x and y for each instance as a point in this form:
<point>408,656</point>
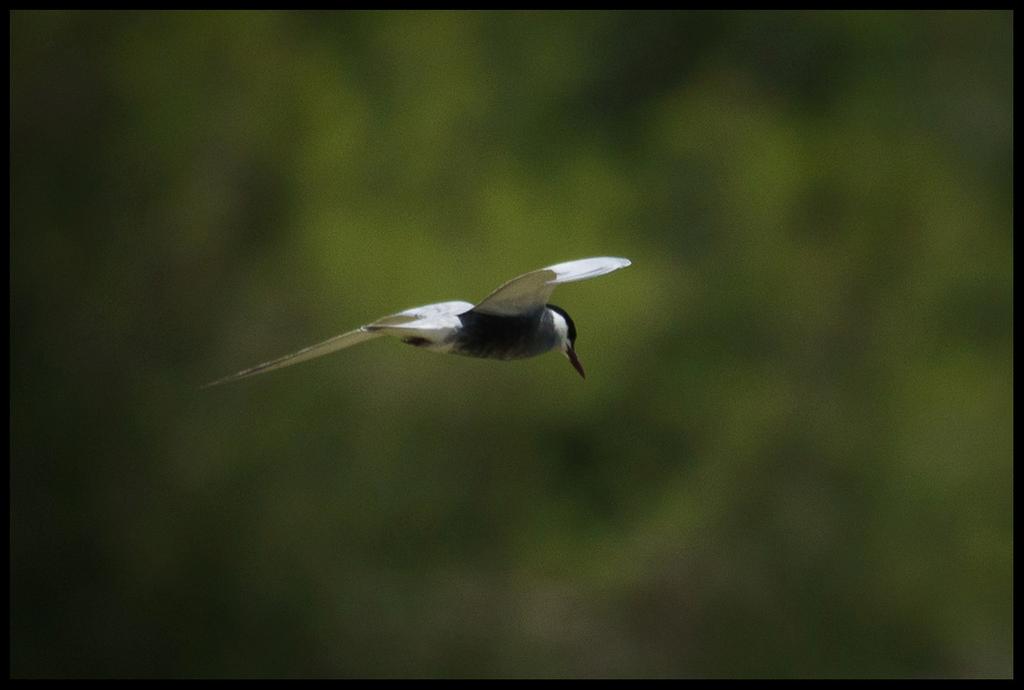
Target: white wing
<point>439,317</point>
<point>532,290</point>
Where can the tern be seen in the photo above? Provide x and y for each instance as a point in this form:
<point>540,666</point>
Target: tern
<point>513,322</point>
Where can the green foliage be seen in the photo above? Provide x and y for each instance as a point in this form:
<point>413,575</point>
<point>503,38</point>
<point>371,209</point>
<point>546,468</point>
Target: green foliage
<point>792,455</point>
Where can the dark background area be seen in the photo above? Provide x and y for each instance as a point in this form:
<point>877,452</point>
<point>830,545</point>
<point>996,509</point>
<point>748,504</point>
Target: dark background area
<point>792,455</point>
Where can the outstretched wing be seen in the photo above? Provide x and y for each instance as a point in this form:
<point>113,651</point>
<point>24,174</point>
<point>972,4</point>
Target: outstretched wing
<point>532,290</point>
<point>334,344</point>
<point>440,315</point>
<point>429,317</point>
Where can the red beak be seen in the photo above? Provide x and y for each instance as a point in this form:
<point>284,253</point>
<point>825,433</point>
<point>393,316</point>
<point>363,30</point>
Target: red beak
<point>571,354</point>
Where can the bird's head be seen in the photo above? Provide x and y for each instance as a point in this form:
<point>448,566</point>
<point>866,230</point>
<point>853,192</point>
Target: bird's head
<point>566,330</point>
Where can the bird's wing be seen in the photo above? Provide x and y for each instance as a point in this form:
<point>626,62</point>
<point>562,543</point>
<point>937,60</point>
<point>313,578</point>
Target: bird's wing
<point>338,342</point>
<point>431,316</point>
<point>440,316</point>
<point>532,290</point>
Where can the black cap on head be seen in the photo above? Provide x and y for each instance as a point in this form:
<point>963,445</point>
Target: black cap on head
<point>568,322</point>
<point>570,334</point>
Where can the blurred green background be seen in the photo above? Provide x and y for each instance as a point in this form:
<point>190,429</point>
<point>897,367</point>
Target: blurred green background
<point>792,455</point>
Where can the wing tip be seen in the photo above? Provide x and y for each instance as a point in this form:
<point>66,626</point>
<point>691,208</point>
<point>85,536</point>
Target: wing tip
<point>595,266</point>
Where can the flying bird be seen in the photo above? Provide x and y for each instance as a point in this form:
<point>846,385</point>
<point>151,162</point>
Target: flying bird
<point>513,322</point>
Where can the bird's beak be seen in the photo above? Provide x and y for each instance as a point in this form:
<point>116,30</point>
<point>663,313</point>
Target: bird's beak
<point>571,354</point>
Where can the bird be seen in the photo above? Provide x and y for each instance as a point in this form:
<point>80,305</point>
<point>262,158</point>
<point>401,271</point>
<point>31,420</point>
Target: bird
<point>515,321</point>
